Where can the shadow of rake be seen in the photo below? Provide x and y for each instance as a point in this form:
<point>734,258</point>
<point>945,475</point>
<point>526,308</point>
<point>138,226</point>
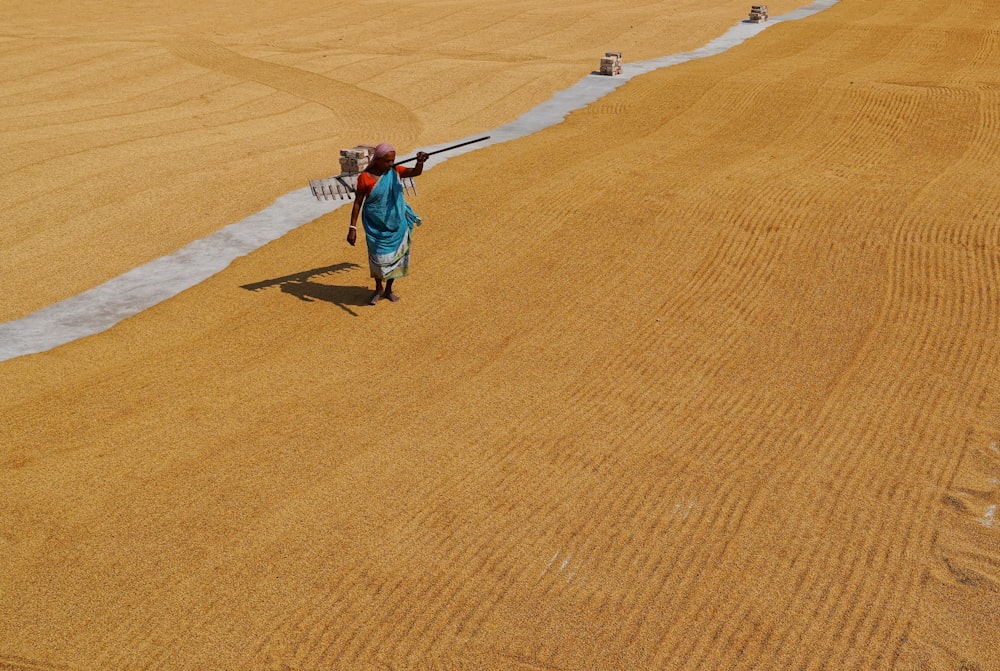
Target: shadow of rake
<point>302,287</point>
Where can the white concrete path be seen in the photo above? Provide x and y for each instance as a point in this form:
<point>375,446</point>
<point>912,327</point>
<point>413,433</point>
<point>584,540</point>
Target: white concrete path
<point>104,306</point>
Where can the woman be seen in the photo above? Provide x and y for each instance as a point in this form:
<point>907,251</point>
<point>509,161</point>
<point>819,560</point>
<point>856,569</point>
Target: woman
<point>387,218</point>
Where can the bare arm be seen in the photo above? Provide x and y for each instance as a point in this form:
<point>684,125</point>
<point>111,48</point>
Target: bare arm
<point>419,169</point>
<point>352,232</point>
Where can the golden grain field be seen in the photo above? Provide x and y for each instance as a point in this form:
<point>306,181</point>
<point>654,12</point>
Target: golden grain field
<point>705,377</point>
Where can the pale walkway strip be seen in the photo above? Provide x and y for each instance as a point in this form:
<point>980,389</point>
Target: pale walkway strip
<point>102,307</point>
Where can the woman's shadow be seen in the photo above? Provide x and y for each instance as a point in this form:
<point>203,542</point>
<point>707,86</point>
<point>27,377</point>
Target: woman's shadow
<point>302,286</point>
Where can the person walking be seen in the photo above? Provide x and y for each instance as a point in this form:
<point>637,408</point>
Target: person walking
<point>387,218</point>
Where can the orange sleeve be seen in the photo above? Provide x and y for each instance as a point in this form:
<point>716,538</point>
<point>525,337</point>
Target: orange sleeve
<point>365,184</point>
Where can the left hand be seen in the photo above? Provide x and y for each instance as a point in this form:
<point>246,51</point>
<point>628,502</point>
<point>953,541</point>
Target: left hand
<point>422,156</point>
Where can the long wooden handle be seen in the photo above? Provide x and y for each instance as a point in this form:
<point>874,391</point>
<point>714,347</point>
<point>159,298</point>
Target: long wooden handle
<point>454,146</point>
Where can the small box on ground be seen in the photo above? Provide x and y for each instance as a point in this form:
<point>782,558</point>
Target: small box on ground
<point>758,13</point>
<point>611,64</point>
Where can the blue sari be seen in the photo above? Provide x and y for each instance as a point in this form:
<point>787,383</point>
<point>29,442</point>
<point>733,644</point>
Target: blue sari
<point>388,220</point>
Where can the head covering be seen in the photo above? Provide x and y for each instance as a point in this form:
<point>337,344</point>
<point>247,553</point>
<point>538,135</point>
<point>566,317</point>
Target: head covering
<point>382,149</point>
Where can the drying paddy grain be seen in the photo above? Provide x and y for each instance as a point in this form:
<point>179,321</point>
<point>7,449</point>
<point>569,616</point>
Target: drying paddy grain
<point>705,377</point>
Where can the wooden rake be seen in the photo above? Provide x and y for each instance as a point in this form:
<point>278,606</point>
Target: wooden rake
<point>345,185</point>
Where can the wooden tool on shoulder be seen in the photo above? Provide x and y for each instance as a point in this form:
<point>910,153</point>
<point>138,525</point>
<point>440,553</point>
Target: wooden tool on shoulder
<point>353,162</point>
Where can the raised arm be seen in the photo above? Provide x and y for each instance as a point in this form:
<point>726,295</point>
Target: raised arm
<point>418,169</point>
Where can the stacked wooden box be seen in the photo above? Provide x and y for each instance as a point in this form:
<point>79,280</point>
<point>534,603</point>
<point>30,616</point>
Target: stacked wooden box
<point>758,13</point>
<point>356,159</point>
<point>611,64</point>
